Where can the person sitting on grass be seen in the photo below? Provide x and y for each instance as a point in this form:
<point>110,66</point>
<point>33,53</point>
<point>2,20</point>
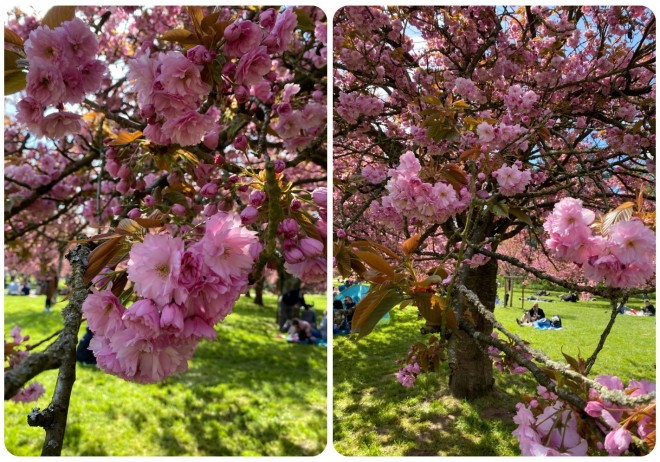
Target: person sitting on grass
<point>571,297</point>
<point>306,332</point>
<point>649,309</point>
<point>530,316</point>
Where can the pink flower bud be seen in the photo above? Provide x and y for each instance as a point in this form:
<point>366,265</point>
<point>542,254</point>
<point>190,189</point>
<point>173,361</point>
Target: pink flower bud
<point>124,172</point>
<point>294,256</point>
<point>242,188</point>
<point>123,187</point>
<point>279,165</point>
<point>210,210</point>
<point>481,176</point>
<point>283,108</point>
<point>242,94</point>
<point>289,227</point>
<point>320,197</point>
<point>311,247</point>
<point>241,143</point>
<point>209,190</point>
<point>199,55</point>
<point>218,159</point>
<point>211,140</point>
<point>179,210</point>
<point>249,215</point>
<point>341,234</point>
<point>233,179</point>
<point>295,205</point>
<point>117,210</point>
<point>288,244</point>
<point>257,198</point>
<point>318,96</point>
<point>134,213</point>
<point>112,168</point>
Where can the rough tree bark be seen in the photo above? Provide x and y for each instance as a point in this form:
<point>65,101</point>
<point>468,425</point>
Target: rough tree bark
<point>471,373</point>
<point>259,292</point>
<point>53,418</point>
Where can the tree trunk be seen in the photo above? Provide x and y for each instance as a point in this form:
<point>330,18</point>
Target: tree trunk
<point>259,292</point>
<point>471,368</point>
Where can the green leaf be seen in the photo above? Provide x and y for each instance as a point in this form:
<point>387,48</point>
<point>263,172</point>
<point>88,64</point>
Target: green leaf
<point>521,215</point>
<point>305,23</point>
<point>176,197</point>
<point>500,208</point>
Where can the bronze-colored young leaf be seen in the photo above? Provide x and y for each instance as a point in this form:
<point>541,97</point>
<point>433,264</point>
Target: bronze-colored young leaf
<point>411,244</point>
<point>622,213</point>
<point>376,262</point>
<point>99,258</point>
<point>14,81</point>
<point>374,245</point>
<point>208,22</point>
<point>128,226</point>
<point>13,38</point>
<point>10,60</point>
<point>149,222</point>
<point>119,284</point>
<point>343,258</point>
<point>455,176</point>
<point>386,299</point>
<point>57,15</point>
<point>470,154</point>
<point>124,137</point>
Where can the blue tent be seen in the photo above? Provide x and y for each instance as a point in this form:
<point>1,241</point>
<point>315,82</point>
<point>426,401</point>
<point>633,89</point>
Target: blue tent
<point>357,292</point>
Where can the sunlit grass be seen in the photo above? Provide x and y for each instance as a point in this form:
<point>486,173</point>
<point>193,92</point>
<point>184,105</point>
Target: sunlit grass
<point>375,416</point>
<point>248,393</point>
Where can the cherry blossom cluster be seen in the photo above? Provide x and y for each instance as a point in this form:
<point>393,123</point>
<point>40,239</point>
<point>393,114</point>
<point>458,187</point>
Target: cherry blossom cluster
<point>304,256</point>
<point>351,106</point>
<point>549,427</point>
<point>617,417</point>
<point>34,390</point>
<point>425,202</point>
<point>374,174</point>
<point>622,258</point>
<point>298,127</point>
<point>408,374</point>
<point>169,90</point>
<point>185,288</point>
<point>503,362</point>
<point>62,69</point>
<point>511,180</point>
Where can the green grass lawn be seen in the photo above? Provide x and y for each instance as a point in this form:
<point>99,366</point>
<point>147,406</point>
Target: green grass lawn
<point>375,416</point>
<point>248,393</point>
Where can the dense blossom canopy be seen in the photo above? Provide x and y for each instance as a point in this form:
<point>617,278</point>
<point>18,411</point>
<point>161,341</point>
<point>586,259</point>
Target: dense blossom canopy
<point>183,137</point>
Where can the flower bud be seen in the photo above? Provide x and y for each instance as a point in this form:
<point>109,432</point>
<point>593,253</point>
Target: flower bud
<point>257,198</point>
<point>320,197</point>
<point>289,227</point>
<point>209,190</point>
<point>149,201</point>
<point>279,165</point>
<point>311,247</point>
<point>134,213</point>
<point>241,142</point>
<point>179,210</point>
<point>249,215</point>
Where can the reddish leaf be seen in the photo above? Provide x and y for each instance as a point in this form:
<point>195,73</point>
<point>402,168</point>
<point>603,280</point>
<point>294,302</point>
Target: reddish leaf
<point>376,262</point>
<point>99,258</point>
<point>13,38</point>
<point>411,244</point>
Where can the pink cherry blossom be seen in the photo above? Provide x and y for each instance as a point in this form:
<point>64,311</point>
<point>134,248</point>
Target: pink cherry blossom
<point>154,267</point>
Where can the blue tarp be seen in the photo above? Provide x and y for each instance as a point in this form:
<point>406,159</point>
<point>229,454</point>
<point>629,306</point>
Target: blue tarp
<point>357,292</point>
